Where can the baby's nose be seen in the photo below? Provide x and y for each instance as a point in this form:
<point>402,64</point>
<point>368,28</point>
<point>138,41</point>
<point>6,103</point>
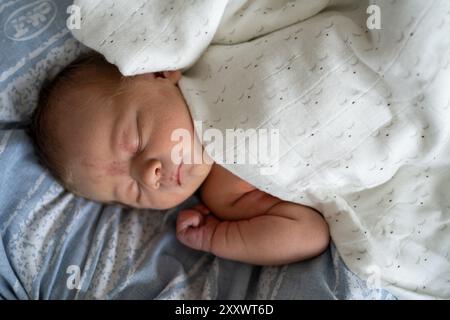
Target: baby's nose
<point>150,173</point>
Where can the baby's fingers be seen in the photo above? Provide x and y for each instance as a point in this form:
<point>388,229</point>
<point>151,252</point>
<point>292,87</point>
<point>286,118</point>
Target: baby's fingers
<point>187,219</point>
<point>201,208</point>
<point>195,230</point>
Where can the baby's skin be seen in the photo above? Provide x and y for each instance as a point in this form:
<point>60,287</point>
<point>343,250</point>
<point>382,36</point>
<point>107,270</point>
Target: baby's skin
<point>239,222</point>
<point>115,135</point>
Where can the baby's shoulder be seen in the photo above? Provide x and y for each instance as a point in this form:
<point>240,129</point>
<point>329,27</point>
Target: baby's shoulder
<point>231,198</point>
<point>222,188</point>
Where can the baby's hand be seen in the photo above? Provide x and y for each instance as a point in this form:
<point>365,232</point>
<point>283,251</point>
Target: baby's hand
<point>195,227</point>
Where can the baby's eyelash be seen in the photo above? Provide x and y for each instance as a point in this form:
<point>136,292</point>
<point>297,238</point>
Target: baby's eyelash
<point>139,147</point>
<point>139,194</point>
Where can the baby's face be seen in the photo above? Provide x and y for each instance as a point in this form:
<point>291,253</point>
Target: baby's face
<point>121,150</point>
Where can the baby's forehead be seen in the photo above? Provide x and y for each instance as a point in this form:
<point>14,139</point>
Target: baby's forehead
<point>86,96</point>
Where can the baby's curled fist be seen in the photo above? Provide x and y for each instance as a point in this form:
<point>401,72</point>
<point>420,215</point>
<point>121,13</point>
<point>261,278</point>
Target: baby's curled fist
<point>196,227</point>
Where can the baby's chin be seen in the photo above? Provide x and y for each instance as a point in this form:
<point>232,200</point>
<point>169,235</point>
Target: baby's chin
<point>170,203</point>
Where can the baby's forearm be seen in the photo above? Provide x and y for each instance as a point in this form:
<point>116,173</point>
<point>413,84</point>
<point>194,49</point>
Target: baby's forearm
<point>286,233</point>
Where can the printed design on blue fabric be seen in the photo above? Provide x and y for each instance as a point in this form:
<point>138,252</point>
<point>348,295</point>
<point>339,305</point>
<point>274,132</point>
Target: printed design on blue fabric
<point>30,21</point>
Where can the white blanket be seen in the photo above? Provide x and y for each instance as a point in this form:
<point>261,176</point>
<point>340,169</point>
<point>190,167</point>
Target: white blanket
<point>363,114</point>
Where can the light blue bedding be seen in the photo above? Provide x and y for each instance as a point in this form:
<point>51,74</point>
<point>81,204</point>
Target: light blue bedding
<point>54,245</point>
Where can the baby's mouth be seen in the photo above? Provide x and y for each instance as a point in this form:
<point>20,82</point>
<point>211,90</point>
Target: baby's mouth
<point>179,174</point>
<point>175,177</point>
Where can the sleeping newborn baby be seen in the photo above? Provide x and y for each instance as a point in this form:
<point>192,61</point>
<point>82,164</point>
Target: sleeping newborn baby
<point>107,138</point>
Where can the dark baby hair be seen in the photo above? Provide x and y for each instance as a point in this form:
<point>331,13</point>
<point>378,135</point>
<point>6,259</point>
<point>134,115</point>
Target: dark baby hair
<point>41,129</point>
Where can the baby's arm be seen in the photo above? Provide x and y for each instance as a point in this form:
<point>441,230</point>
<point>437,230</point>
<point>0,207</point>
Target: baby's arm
<point>285,233</point>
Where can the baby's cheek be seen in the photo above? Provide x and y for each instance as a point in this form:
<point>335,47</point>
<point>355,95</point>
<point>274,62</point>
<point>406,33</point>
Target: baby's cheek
<point>116,168</point>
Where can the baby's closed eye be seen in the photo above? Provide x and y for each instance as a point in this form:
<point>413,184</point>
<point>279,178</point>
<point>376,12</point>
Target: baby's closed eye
<point>139,146</point>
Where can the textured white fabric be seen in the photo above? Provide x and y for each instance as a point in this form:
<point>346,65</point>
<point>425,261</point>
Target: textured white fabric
<point>175,33</point>
<point>362,113</point>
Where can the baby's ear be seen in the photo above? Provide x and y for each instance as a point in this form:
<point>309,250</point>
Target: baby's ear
<point>173,76</point>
